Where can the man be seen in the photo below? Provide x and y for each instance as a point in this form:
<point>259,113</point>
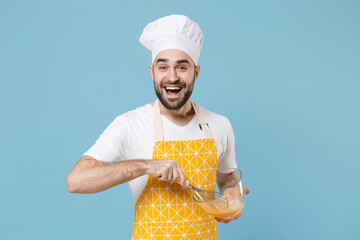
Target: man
<point>160,146</point>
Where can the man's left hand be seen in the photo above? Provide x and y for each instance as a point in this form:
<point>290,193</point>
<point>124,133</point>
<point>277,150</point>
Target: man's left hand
<point>247,191</point>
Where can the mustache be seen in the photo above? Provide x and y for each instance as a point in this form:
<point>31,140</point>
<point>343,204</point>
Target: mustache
<point>172,83</point>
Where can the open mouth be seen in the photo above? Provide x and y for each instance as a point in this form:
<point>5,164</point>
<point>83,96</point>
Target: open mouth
<point>173,90</point>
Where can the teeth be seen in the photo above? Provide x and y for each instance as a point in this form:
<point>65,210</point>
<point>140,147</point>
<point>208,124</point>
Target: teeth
<point>172,88</point>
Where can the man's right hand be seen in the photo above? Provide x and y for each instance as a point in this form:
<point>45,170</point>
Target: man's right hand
<point>90,175</point>
<point>166,170</point>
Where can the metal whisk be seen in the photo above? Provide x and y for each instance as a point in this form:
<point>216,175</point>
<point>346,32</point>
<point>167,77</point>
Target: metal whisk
<point>214,199</point>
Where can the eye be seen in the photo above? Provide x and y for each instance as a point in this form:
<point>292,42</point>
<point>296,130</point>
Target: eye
<point>182,68</point>
<point>162,68</point>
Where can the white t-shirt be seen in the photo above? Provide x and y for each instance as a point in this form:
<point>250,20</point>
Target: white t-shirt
<point>131,136</point>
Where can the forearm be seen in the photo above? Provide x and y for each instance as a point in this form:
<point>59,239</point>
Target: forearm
<point>91,176</point>
<point>226,180</point>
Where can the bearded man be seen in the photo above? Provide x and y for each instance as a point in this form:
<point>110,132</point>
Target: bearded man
<point>160,147</point>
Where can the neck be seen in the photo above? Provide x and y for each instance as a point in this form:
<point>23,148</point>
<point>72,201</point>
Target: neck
<point>179,116</point>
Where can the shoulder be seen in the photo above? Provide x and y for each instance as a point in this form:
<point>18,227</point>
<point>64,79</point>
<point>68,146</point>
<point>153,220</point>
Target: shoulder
<point>127,121</point>
<point>143,113</point>
<point>134,123</point>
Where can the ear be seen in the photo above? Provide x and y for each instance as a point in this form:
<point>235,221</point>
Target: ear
<point>197,71</point>
<point>151,72</point>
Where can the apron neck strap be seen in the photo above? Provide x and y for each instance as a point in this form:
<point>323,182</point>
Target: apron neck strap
<point>158,126</point>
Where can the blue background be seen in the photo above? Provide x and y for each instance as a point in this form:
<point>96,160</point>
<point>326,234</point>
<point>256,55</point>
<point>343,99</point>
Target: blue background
<point>286,74</point>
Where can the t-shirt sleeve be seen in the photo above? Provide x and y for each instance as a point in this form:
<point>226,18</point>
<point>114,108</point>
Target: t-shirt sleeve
<point>111,145</point>
<point>227,159</point>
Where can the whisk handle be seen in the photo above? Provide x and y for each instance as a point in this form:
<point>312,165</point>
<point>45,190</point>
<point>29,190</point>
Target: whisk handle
<point>187,184</point>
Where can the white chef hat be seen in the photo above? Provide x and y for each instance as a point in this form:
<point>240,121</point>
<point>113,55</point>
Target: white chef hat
<point>173,32</point>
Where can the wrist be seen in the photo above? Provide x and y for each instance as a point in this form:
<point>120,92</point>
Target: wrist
<point>144,166</point>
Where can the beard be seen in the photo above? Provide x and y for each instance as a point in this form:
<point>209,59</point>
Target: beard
<point>178,103</point>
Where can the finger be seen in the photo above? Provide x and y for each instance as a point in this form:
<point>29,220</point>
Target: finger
<point>228,220</point>
<point>223,220</point>
<point>175,175</point>
<point>182,176</point>
<point>170,174</point>
<point>163,176</point>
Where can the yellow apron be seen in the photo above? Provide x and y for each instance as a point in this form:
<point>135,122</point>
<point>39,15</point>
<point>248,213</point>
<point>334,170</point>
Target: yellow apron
<point>168,211</point>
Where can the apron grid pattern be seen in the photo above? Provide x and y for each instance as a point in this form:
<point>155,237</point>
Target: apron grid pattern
<point>168,211</point>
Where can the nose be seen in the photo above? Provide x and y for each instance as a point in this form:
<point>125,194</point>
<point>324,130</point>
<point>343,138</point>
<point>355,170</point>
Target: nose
<point>173,76</point>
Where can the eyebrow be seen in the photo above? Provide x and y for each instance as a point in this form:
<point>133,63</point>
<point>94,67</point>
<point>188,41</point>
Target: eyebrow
<point>166,60</point>
<point>183,61</point>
